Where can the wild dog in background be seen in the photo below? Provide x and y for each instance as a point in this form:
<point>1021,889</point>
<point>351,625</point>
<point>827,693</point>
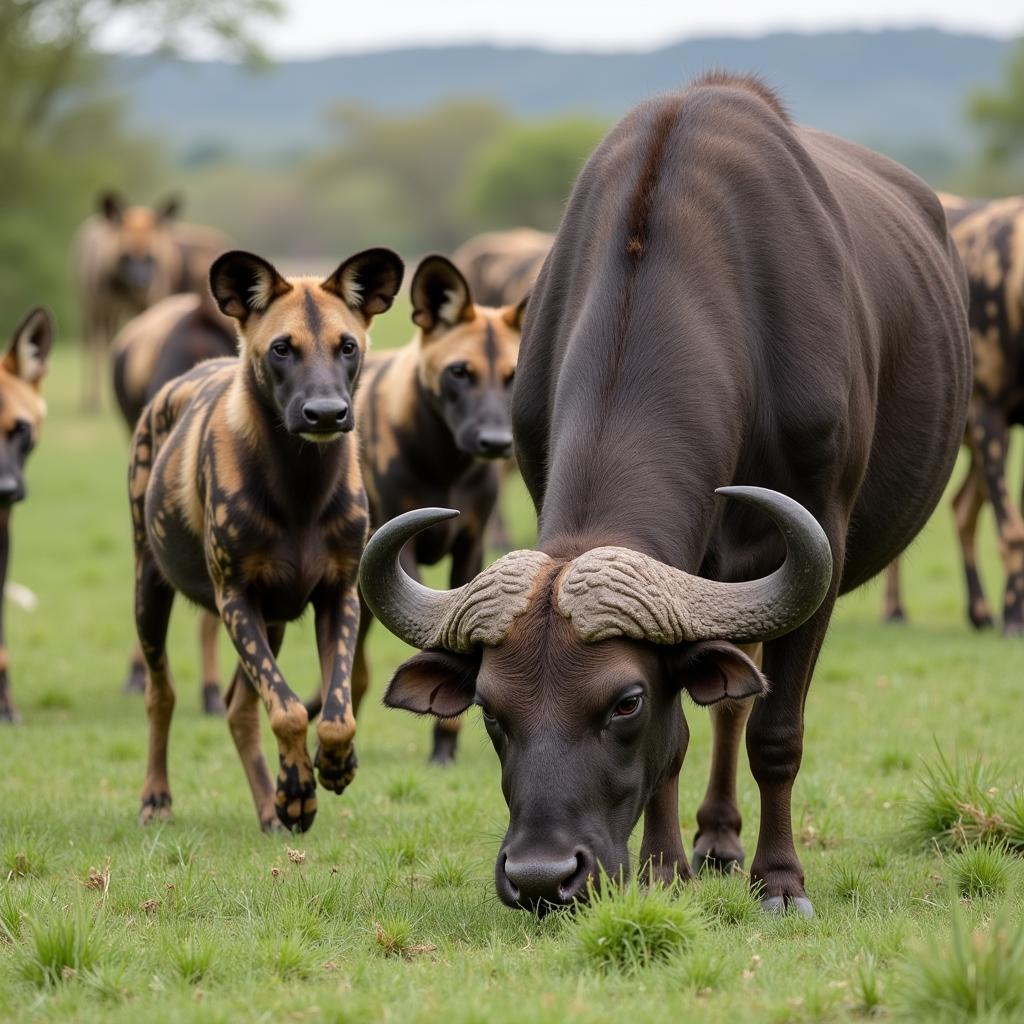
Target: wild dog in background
<point>156,346</point>
<point>21,412</point>
<point>434,420</point>
<point>501,266</point>
<point>126,259</point>
<point>247,498</point>
<point>990,238</point>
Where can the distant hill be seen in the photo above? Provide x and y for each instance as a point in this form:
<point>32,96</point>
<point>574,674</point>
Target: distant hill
<point>893,89</point>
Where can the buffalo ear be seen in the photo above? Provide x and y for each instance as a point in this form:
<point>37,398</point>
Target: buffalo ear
<point>243,283</point>
<point>440,295</point>
<point>111,205</point>
<point>714,670</point>
<point>434,682</point>
<point>169,209</point>
<point>30,346</point>
<point>513,315</point>
<point>368,282</point>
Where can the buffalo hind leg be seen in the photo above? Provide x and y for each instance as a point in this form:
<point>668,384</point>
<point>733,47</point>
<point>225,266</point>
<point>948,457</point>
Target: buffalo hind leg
<point>209,628</point>
<point>893,610</point>
<point>243,714</point>
<point>662,856</point>
<point>967,505</point>
<point>153,601</point>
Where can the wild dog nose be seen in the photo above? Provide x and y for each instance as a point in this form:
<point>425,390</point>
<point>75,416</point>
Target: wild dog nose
<point>562,880</point>
<point>8,487</point>
<point>327,414</point>
<point>495,443</point>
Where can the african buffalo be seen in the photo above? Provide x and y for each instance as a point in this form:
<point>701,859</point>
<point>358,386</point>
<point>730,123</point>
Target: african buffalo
<point>730,300</point>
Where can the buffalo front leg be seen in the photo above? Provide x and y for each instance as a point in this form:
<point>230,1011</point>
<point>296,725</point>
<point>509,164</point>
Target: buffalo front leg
<point>153,601</point>
<point>967,506</point>
<point>243,714</point>
<point>337,629</point>
<point>295,800</point>
<point>662,857</point>
<point>209,627</point>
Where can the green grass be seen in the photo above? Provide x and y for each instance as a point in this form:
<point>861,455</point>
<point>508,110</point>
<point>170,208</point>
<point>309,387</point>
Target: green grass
<point>390,911</point>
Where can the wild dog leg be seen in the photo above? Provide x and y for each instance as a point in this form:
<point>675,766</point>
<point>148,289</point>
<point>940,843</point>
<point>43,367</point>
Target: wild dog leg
<point>360,668</point>
<point>153,601</point>
<point>967,505</point>
<point>775,739</point>
<point>98,331</point>
<point>296,787</point>
<point>7,710</point>
<point>209,626</point>
<point>243,715</point>
<point>662,856</point>
<point>990,444</point>
<point>717,843</point>
<point>337,627</point>
<point>135,681</point>
<point>893,610</point>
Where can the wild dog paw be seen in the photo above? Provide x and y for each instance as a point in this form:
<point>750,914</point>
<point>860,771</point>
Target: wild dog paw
<point>295,799</point>
<point>213,703</point>
<point>336,768</point>
<point>156,805</point>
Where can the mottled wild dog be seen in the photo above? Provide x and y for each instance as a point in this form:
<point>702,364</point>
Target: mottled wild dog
<point>21,412</point>
<point>247,498</point>
<point>156,346</point>
<point>990,238</point>
<point>501,266</point>
<point>433,418</point>
<point>126,259</point>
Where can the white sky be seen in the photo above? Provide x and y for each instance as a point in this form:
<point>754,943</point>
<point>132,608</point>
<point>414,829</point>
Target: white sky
<point>318,27</point>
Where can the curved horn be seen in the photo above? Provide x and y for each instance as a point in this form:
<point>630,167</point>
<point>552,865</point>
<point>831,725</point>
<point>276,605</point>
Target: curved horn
<point>481,612</point>
<point>618,592</point>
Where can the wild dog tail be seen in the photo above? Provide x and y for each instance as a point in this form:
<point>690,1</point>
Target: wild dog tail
<point>21,596</point>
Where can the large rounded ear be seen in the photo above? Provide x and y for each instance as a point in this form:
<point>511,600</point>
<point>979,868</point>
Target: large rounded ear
<point>168,210</point>
<point>513,315</point>
<point>434,682</point>
<point>714,670</point>
<point>111,205</point>
<point>243,284</point>
<point>368,282</point>
<point>29,350</point>
<point>440,295</point>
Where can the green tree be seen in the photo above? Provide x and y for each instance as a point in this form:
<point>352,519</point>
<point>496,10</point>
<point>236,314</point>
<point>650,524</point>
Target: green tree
<point>524,175</point>
<point>999,113</point>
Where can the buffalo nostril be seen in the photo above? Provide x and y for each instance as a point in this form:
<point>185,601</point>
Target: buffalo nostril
<point>575,885</point>
<point>557,881</point>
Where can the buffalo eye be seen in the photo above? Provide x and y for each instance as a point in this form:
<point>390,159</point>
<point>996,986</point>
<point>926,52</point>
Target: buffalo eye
<point>458,371</point>
<point>281,348</point>
<point>628,706</point>
<point>349,345</point>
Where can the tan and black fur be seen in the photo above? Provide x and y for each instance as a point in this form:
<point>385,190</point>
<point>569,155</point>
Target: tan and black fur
<point>126,259</point>
<point>21,413</point>
<point>156,346</point>
<point>247,498</point>
<point>501,266</point>
<point>433,418</point>
<point>990,238</point>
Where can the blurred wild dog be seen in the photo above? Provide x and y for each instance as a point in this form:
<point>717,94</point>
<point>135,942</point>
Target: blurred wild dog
<point>990,238</point>
<point>246,497</point>
<point>126,259</point>
<point>501,266</point>
<point>21,412</point>
<point>156,346</point>
<point>433,422</point>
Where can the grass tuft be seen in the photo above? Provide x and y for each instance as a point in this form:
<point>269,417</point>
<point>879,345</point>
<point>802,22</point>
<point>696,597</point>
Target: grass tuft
<point>291,957</point>
<point>25,854</point>
<point>726,900</point>
<point>406,789</point>
<point>980,870</point>
<point>449,871</point>
<point>192,958</point>
<point>849,883</point>
<point>867,986</point>
<point>967,976</point>
<point>61,945</point>
<point>627,928</point>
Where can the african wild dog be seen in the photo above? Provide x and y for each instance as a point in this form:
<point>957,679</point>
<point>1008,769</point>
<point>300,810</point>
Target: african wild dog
<point>733,300</point>
<point>247,498</point>
<point>433,419</point>
<point>127,258</point>
<point>990,237</point>
<point>156,346</point>
<point>21,412</point>
<point>501,266</point>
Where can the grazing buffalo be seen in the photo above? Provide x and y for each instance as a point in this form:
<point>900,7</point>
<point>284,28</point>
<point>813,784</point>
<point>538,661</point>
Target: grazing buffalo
<point>21,413</point>
<point>126,259</point>
<point>501,266</point>
<point>247,498</point>
<point>733,304</point>
<point>434,418</point>
<point>156,346</point>
<point>990,237</point>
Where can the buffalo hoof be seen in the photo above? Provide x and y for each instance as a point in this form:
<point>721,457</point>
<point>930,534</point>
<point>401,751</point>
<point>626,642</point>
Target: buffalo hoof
<point>788,904</point>
<point>213,703</point>
<point>719,851</point>
<point>710,862</point>
<point>8,716</point>
<point>895,616</point>
<point>156,806</point>
<point>135,681</point>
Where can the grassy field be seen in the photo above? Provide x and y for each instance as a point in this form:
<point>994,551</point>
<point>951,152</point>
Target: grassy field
<point>385,911</point>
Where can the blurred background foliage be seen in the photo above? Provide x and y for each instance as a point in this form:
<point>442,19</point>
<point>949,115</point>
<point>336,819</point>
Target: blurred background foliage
<point>421,179</point>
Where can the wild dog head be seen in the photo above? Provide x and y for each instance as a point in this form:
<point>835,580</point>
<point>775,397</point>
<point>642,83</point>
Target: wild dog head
<point>304,339</point>
<point>467,358</point>
<point>142,256</point>
<point>21,406</point>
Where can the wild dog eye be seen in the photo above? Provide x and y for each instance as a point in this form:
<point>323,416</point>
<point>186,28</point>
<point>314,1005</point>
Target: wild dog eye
<point>281,347</point>
<point>459,371</point>
<point>349,345</point>
<point>628,706</point>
